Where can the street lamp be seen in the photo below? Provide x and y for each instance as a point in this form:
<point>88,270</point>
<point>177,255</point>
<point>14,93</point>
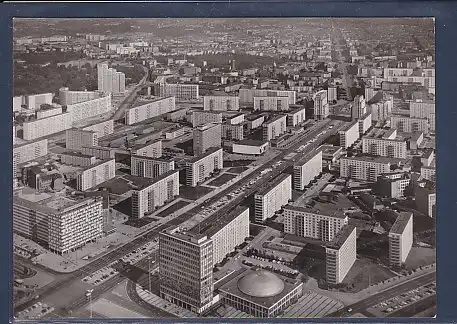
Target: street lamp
<point>89,295</point>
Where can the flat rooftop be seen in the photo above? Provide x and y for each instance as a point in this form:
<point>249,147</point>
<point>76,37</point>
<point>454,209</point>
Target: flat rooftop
<point>146,184</point>
<point>330,149</point>
<point>341,237</point>
<point>140,146</point>
<point>308,156</point>
<point>274,182</point>
<point>400,223</point>
<point>163,158</point>
<point>176,231</point>
<point>139,104</point>
<point>77,154</point>
<point>276,118</point>
<point>97,164</point>
<point>210,151</point>
<point>206,126</point>
<point>217,221</point>
<point>376,159</point>
<point>326,209</point>
<point>250,142</point>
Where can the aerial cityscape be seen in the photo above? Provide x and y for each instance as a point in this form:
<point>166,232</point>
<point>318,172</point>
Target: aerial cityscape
<point>223,168</point>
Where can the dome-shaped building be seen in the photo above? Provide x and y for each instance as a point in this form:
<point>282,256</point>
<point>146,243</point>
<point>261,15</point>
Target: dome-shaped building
<point>261,283</point>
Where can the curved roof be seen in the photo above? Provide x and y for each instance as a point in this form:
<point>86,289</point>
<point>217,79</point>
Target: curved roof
<point>261,283</point>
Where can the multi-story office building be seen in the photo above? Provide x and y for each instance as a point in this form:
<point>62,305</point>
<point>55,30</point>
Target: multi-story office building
<point>200,117</point>
<point>62,224</point>
<point>96,174</point>
<point>271,103</point>
<point>409,124</point>
<point>380,111</point>
<point>364,168</point>
<point>77,159</point>
<point>201,167</point>
<point>100,152</point>
<point>102,129</point>
<point>226,230</point>
<point>349,135</point>
<point>307,169</point>
<point>109,80</point>
<point>47,126</point>
<point>158,192</point>
<point>358,107</point>
<point>247,95</point>
<point>181,91</point>
<point>150,109</point>
<point>151,149</point>
<point>221,103</point>
<point>425,195</point>
<point>340,254</point>
<point>365,122</point>
<point>68,97</point>
<point>149,167</point>
<point>393,185</point>
<point>206,137</point>
<point>276,194</point>
<point>423,109</point>
<point>319,222</point>
<point>332,94</point>
<point>186,269</point>
<point>91,108</point>
<point>321,108</point>
<point>274,128</point>
<point>76,139</point>
<point>35,101</point>
<point>401,238</point>
<point>394,148</point>
<point>43,113</point>
<point>233,132</point>
<point>296,117</point>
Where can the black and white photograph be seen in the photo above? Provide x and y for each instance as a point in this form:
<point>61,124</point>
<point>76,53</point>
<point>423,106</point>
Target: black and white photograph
<point>219,168</point>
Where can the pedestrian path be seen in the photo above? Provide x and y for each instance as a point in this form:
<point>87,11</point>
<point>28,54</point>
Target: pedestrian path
<point>312,305</point>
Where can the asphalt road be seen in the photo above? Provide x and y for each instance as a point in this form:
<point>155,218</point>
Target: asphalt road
<point>415,308</point>
<point>53,288</point>
<point>361,306</point>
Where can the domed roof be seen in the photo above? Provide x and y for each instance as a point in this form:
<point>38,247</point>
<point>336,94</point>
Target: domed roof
<point>261,283</point>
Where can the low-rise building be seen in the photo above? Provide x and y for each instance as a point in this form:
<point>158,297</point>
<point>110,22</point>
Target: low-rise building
<point>201,167</point>
<point>331,153</point>
<point>96,174</point>
<point>307,169</point>
<point>393,185</point>
<point>250,147</point>
<point>270,199</point>
<point>401,239</point>
<point>340,254</point>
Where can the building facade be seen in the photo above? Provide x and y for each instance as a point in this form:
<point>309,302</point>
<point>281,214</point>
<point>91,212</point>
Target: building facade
<point>149,167</point>
<point>358,107</point>
<point>151,149</point>
<point>181,91</point>
<point>296,117</point>
<point>247,95</point>
<point>340,254</point>
<point>401,239</point>
<point>205,117</point>
<point>364,168</point>
<point>100,152</point>
<point>109,80</point>
<point>47,126</point>
<point>393,148</point>
<point>409,124</point>
<point>321,108</point>
<point>201,167</point>
<point>96,174</point>
<point>274,127</point>
<point>206,137</point>
<point>273,197</point>
<point>307,169</point>
<point>271,103</point>
<point>68,97</point>
<point>233,132</point>
<point>221,103</point>
<point>76,139</point>
<point>154,108</point>
<point>349,135</point>
<point>77,159</point>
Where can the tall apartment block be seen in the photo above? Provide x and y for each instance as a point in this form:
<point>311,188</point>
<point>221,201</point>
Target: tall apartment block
<point>68,97</point>
<point>76,139</point>
<point>340,254</point>
<point>221,103</point>
<point>149,167</point>
<point>410,124</point>
<point>358,107</point>
<point>307,169</point>
<point>247,95</point>
<point>150,109</point>
<point>380,145</point>
<point>381,111</point>
<point>425,194</point>
<point>181,91</point>
<point>423,109</point>
<point>274,127</point>
<point>321,108</point>
<point>271,103</point>
<point>43,113</point>
<point>90,108</point>
<point>364,168</point>
<point>206,137</point>
<point>332,94</point>
<point>273,197</point>
<point>226,230</point>
<point>401,238</point>
<point>161,190</point>
<point>28,152</point>
<point>186,269</point>
<point>200,168</point>
<point>47,126</point>
<point>61,223</point>
<point>151,149</point>
<point>296,117</point>
<point>200,117</point>
<point>369,93</point>
<point>319,223</point>
<point>349,135</point>
<point>365,122</point>
<point>102,129</point>
<point>96,174</point>
<point>109,80</point>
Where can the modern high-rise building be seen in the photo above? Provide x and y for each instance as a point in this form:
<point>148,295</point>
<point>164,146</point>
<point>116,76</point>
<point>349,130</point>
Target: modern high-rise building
<point>201,167</point>
<point>332,94</point>
<point>181,91</point>
<point>102,129</point>
<point>365,122</point>
<point>149,167</point>
<point>271,103</point>
<point>320,222</point>
<point>206,137</point>
<point>307,169</point>
<point>410,124</point>
<point>358,107</point>
<point>96,174</point>
<point>296,117</point>
<point>364,167</point>
<point>47,126</point>
<point>86,109</point>
<point>186,269</point>
<point>425,194</point>
<point>221,103</point>
<point>274,127</point>
<point>247,95</point>
<point>233,132</point>
<point>76,139</point>
<point>109,80</point>
<point>202,117</point>
<point>340,254</point>
<point>369,93</point>
<point>379,146</point>
<point>271,198</point>
<point>380,111</point>
<point>60,222</point>
<point>68,97</point>
<point>158,192</point>
<point>423,109</point>
<point>321,108</point>
<point>151,149</point>
<point>401,238</point>
<point>349,135</point>
<point>150,109</point>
